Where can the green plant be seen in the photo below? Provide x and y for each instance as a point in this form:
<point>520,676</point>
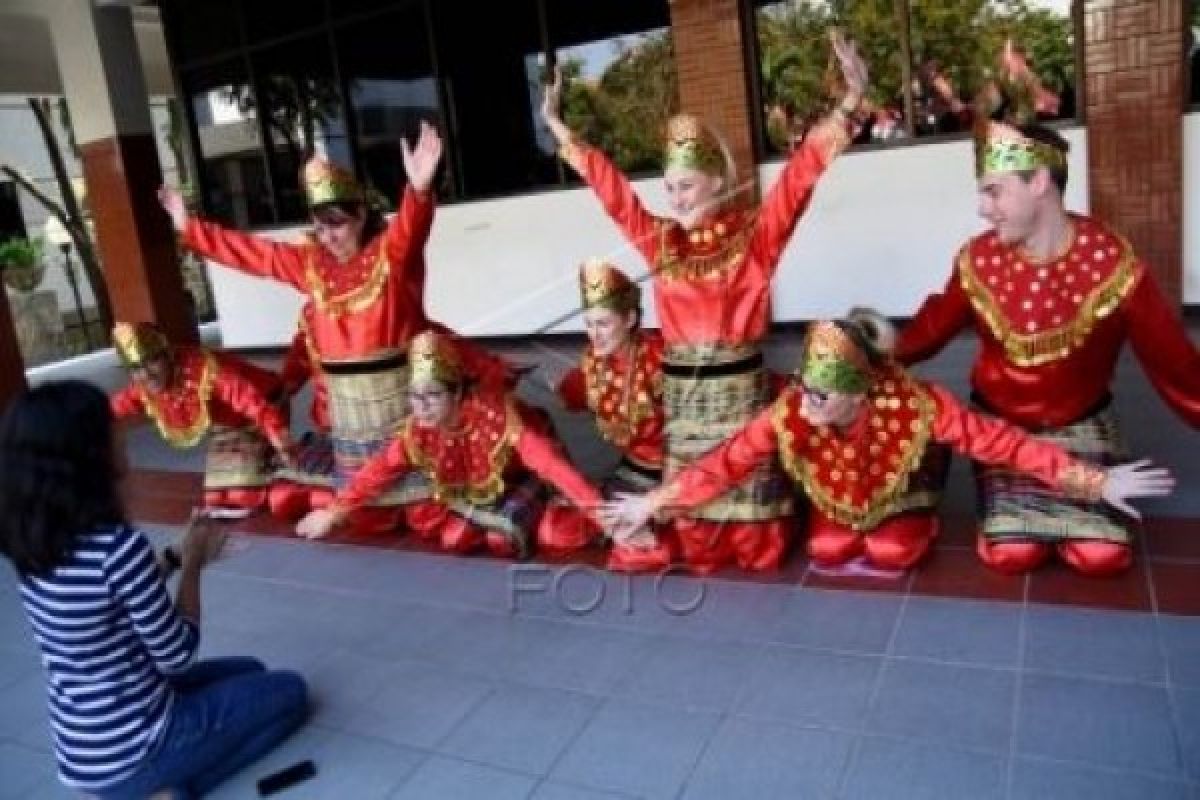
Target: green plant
<point>21,253</point>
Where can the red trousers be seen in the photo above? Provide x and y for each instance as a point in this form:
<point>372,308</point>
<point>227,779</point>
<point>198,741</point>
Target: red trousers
<point>1096,557</point>
<point>454,534</point>
<point>565,530</point>
<point>707,546</point>
<point>235,498</point>
<point>898,542</point>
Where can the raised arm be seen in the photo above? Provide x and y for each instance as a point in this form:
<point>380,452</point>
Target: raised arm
<point>408,230</point>
<point>253,255</point>
<point>610,185</point>
<point>787,200</point>
<point>241,395</point>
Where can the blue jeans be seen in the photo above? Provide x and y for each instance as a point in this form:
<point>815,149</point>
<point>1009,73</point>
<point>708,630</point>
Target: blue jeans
<point>228,712</point>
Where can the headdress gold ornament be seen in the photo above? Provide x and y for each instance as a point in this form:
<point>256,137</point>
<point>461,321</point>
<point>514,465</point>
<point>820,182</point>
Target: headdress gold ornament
<point>139,342</point>
<point>433,358</point>
<point>326,182</point>
<point>601,285</point>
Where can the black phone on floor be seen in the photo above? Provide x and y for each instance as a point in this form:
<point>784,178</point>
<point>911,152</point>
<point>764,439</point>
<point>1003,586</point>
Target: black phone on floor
<point>285,778</point>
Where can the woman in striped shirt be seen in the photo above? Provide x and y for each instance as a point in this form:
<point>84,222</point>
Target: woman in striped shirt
<point>131,713</point>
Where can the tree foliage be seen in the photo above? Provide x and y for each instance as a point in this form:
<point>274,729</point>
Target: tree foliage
<point>625,110</point>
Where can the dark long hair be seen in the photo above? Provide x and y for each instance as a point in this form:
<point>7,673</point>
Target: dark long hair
<point>373,224</point>
<point>58,474</point>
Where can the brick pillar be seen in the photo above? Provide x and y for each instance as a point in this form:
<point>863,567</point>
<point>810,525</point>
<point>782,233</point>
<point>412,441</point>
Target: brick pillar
<point>1134,100</point>
<point>102,79</point>
<point>710,60</point>
<point>12,368</point>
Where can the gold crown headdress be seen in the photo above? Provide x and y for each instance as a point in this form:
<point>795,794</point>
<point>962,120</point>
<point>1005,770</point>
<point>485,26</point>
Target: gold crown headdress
<point>1011,100</point>
<point>833,361</point>
<point>601,285</point>
<point>691,144</point>
<point>326,182</point>
<point>432,357</point>
<point>139,342</point>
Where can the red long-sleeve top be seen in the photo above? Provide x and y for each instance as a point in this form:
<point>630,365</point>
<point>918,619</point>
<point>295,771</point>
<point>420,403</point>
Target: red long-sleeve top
<point>1050,333</point>
<point>625,393</point>
<point>856,478</point>
<point>472,462</point>
<point>712,285</point>
<point>370,306</point>
<point>208,389</point>
<point>300,364</point>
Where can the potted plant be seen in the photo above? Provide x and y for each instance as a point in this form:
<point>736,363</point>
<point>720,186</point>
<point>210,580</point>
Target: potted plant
<point>21,263</point>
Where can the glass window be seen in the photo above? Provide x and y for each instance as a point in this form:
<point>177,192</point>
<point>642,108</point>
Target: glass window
<point>201,28</point>
<point>235,189</point>
<point>955,48</point>
<point>12,222</point>
<point>295,81</point>
<point>618,59</point>
<point>486,87</point>
<point>797,80</point>
<point>388,72</point>
<point>271,19</point>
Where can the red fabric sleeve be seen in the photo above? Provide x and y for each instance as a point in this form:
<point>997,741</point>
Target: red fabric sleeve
<point>126,403</point>
<point>726,465</point>
<point>250,254</point>
<point>993,441</point>
<point>1162,346</point>
<point>572,390</point>
<point>540,455</point>
<point>380,471</point>
<point>618,197</point>
<point>408,230</point>
<point>939,319</point>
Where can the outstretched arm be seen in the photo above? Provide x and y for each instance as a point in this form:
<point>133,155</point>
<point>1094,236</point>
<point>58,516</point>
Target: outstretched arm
<point>253,255</point>
<point>611,186</point>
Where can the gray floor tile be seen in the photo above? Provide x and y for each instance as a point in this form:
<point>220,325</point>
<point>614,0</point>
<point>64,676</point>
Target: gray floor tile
<point>24,771</point>
<point>959,631</point>
<point>645,751</point>
<point>15,666</point>
<point>964,706</point>
<point>1039,780</point>
<point>1105,644</point>
<point>342,682</point>
<point>346,766</point>
<point>719,609</point>
<point>915,771</point>
<point>836,620</point>
<point>25,719</point>
<point>585,594</point>
<point>418,707</point>
<point>763,760</point>
<point>520,728</point>
<point>1187,710</point>
<point>1109,724</point>
<point>551,790</point>
<point>541,652</point>
<point>803,687</point>
<point>449,779</point>
<point>691,674</point>
<point>1181,641</point>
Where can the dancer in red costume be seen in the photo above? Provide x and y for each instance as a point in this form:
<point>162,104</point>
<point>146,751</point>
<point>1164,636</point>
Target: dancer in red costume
<point>854,431</point>
<point>619,381</point>
<point>307,482</point>
<point>365,284</point>
<point>713,262</point>
<point>474,448</point>
<point>192,394</point>
<point>1053,297</point>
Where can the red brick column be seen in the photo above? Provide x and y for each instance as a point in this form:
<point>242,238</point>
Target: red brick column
<point>12,368</point>
<point>710,60</point>
<point>1134,101</point>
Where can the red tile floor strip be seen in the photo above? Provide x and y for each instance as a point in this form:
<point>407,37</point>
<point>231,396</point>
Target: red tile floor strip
<point>1165,577</point>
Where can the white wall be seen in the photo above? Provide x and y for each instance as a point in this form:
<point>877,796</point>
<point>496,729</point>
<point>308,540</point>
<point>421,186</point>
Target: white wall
<point>881,231</point>
<point>1191,208</point>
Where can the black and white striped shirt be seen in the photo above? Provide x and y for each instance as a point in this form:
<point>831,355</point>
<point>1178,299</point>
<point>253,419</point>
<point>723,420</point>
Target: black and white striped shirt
<point>109,636</point>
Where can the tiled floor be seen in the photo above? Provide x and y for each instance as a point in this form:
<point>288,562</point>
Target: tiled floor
<point>437,677</point>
